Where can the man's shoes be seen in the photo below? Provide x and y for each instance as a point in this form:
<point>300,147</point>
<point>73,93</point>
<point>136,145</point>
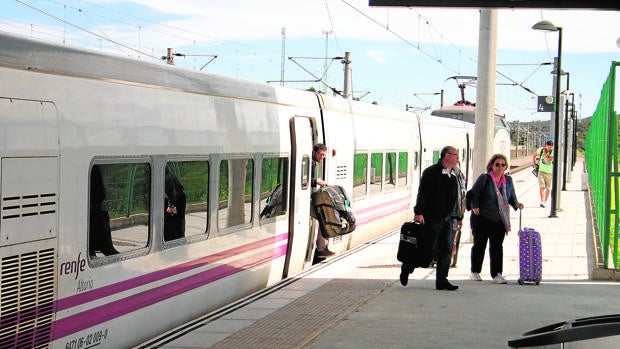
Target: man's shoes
<point>499,279</point>
<point>325,253</point>
<point>475,276</point>
<point>446,286</point>
<point>404,275</point>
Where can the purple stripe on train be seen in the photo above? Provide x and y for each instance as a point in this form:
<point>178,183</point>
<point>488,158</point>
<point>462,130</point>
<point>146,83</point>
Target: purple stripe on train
<point>110,311</point>
<point>125,285</point>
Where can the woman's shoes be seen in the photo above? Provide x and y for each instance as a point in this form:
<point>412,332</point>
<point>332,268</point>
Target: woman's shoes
<point>499,279</point>
<point>475,276</point>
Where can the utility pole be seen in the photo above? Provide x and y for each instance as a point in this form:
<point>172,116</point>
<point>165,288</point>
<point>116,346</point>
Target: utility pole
<point>518,139</point>
<point>527,139</point>
<point>283,56</point>
<point>325,65</point>
<point>347,75</point>
<point>169,56</point>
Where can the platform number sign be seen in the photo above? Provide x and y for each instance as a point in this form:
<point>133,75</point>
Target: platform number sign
<point>545,104</point>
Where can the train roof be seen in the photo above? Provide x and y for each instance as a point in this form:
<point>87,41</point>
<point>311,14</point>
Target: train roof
<point>465,113</point>
<point>343,105</point>
<point>458,112</point>
<point>40,56</point>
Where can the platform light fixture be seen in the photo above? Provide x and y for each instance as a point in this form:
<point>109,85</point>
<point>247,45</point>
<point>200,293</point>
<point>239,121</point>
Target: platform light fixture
<point>545,25</point>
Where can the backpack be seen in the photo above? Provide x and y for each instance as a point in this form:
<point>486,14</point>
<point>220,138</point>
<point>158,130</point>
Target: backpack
<point>274,203</point>
<point>468,194</point>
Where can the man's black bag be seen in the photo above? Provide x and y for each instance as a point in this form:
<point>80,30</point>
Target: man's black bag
<point>414,249</point>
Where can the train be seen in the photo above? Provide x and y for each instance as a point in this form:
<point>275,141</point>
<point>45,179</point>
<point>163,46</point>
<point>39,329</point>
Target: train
<point>132,192</point>
<point>466,112</point>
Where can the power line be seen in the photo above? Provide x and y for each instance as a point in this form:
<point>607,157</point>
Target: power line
<point>84,29</point>
<point>436,58</point>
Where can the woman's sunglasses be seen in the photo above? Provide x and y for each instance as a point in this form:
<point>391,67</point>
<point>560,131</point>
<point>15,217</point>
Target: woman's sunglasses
<point>497,164</point>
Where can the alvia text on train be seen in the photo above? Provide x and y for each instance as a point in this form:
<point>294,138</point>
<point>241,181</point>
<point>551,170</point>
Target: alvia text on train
<point>132,191</point>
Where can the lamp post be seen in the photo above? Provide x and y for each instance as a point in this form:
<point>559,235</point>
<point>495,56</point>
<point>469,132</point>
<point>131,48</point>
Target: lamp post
<point>548,26</point>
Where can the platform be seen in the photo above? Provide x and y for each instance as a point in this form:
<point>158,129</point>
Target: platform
<point>354,300</point>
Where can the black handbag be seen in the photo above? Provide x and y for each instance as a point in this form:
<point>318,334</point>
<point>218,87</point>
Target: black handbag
<point>535,169</point>
<point>414,247</point>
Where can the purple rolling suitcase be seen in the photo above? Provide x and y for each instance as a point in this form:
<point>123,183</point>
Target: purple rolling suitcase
<point>530,255</point>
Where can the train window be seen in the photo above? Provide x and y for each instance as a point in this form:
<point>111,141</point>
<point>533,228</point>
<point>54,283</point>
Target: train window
<point>186,190</point>
<point>273,187</point>
<point>403,165</point>
<point>390,172</point>
<point>376,174</point>
<point>305,171</point>
<point>119,208</point>
<point>235,192</point>
<point>360,164</point>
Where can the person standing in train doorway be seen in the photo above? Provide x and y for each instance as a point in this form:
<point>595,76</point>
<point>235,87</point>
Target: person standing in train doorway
<point>319,151</point>
<point>543,159</point>
<point>438,207</point>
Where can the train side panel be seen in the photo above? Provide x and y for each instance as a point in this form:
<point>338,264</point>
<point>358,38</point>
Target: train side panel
<point>29,231</point>
<point>381,164</point>
<point>439,132</point>
<point>117,300</point>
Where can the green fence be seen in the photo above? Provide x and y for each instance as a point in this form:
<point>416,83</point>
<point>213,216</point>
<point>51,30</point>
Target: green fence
<point>602,163</point>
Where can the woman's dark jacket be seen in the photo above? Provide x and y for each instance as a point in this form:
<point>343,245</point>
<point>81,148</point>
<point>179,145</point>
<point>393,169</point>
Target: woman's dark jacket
<point>484,198</point>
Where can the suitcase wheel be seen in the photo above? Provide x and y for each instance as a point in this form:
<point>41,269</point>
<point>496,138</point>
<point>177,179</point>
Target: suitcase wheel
<point>520,281</point>
<point>538,282</point>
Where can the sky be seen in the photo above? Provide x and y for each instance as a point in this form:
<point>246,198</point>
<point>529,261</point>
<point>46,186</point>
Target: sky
<point>400,57</point>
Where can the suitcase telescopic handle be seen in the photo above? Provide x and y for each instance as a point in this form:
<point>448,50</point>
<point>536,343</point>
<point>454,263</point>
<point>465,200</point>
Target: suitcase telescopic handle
<point>520,216</point>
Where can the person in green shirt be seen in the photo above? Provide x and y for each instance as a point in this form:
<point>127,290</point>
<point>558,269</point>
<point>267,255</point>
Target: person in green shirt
<point>543,160</point>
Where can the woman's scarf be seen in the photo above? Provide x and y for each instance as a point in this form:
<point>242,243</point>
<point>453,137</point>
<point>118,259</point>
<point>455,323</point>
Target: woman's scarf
<point>502,200</point>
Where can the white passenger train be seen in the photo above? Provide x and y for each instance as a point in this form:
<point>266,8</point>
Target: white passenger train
<point>131,192</point>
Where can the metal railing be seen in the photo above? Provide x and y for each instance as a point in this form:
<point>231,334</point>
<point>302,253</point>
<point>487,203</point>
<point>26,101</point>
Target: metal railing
<point>602,164</point>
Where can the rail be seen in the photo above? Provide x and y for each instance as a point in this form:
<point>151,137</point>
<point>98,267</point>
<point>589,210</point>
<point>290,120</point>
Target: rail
<point>604,175</point>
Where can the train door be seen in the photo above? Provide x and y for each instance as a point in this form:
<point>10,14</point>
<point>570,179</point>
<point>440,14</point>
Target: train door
<point>300,241</point>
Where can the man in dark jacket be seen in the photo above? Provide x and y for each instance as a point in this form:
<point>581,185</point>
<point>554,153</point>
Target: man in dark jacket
<point>437,200</point>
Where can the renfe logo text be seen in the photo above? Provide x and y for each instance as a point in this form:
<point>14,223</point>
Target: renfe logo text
<point>76,266</point>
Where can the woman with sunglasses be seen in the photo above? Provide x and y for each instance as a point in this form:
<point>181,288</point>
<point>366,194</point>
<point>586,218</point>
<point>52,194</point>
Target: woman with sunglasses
<point>491,195</point>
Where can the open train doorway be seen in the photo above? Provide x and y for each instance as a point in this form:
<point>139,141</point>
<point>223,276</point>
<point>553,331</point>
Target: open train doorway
<point>300,237</point>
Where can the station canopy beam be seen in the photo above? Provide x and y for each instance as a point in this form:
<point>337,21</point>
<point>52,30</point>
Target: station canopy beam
<point>557,4</point>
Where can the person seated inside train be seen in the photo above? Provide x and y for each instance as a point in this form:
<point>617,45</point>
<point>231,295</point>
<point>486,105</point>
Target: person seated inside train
<point>100,234</point>
<point>175,204</point>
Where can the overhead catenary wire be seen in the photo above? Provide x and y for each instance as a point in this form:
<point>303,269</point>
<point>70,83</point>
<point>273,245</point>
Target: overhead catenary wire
<point>174,31</point>
<point>435,58</point>
<point>84,29</point>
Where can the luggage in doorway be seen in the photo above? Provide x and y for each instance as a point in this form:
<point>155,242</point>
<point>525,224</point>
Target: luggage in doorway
<point>530,255</point>
<point>414,249</point>
<point>332,209</point>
